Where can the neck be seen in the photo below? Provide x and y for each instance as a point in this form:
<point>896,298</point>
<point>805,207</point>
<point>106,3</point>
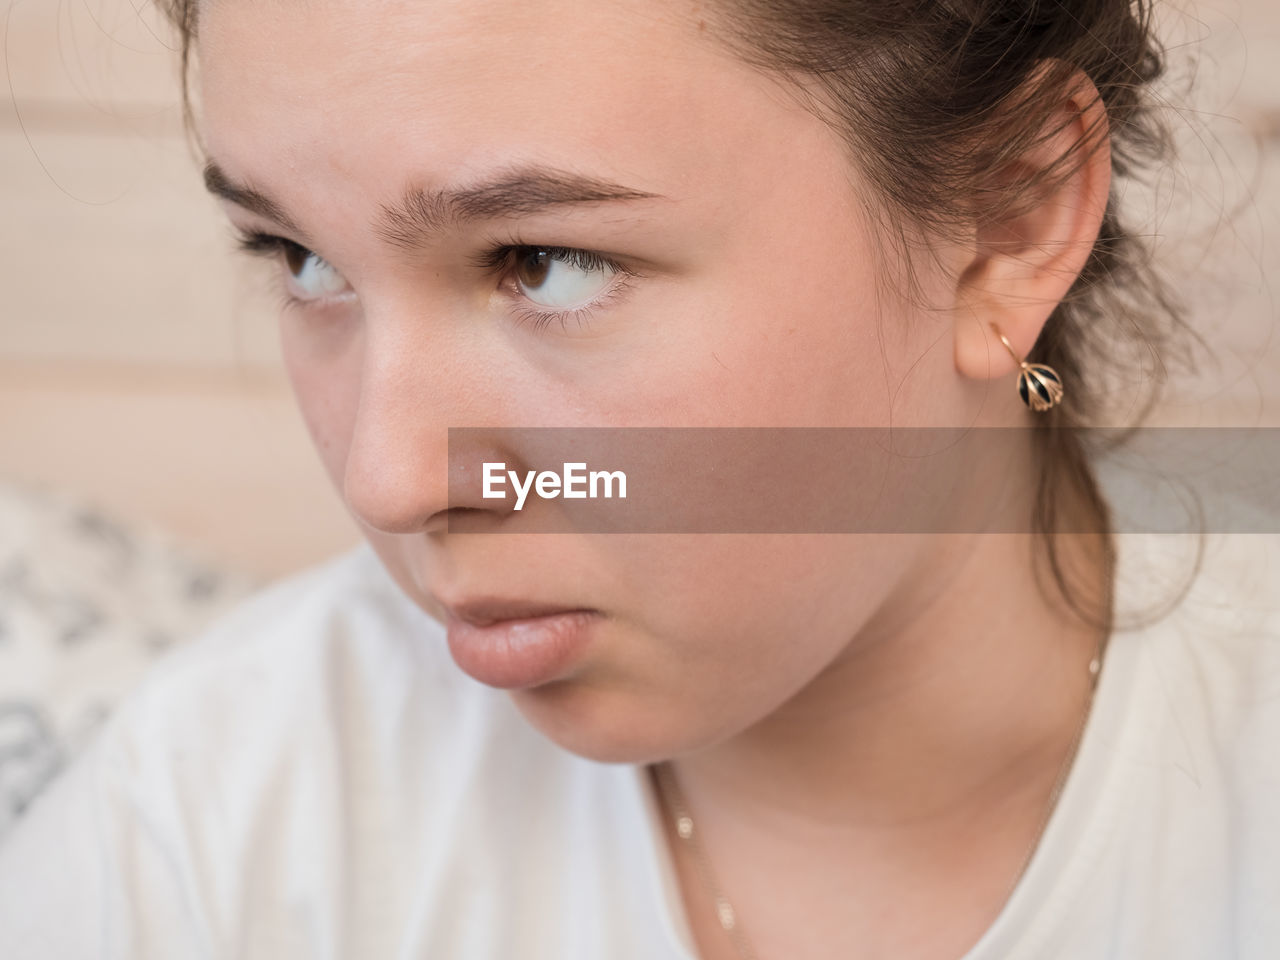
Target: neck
<point>956,706</point>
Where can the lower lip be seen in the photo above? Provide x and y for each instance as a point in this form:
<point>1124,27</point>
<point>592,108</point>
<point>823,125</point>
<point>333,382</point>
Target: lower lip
<point>510,654</point>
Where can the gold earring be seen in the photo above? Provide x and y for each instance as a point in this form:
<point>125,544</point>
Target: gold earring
<point>1038,384</point>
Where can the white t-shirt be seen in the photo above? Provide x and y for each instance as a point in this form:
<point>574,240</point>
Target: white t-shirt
<point>314,778</point>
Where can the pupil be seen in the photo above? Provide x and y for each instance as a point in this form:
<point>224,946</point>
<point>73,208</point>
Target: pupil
<point>533,268</point>
<point>295,257</point>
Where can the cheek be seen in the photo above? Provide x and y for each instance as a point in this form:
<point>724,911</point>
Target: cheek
<point>775,608</point>
<point>324,362</point>
<point>717,633</point>
<point>797,329</point>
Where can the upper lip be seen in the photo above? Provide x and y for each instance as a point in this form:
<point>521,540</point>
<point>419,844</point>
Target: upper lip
<point>481,611</point>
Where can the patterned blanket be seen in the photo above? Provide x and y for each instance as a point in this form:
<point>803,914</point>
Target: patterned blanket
<point>87,601</point>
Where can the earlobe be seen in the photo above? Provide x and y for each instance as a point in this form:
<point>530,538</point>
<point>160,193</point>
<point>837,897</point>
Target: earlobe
<point>1023,265</point>
<point>1039,385</point>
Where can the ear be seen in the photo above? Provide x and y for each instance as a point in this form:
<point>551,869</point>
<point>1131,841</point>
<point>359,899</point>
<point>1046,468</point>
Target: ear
<point>1022,266</point>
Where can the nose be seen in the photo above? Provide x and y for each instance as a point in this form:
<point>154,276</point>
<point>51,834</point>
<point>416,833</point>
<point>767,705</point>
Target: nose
<point>401,476</point>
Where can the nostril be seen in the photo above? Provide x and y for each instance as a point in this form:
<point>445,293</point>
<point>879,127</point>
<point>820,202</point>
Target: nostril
<point>461,520</point>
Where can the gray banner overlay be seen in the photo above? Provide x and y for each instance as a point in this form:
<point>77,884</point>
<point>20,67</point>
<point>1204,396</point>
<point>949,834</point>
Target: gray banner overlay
<point>851,480</point>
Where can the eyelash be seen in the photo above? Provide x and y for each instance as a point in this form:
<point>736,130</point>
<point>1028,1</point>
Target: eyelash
<point>271,247</point>
<point>497,259</point>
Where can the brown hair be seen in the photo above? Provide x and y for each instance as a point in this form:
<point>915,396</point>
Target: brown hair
<point>936,100</point>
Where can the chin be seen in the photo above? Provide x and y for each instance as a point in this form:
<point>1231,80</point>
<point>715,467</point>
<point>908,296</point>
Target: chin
<point>600,725</point>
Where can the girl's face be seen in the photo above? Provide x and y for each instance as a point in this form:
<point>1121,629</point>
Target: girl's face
<point>740,285</point>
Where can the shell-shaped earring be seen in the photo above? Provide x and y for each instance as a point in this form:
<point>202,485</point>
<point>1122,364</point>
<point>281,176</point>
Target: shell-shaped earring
<point>1038,384</point>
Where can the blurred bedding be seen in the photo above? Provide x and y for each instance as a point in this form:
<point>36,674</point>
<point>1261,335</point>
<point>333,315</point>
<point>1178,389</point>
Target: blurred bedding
<point>87,601</point>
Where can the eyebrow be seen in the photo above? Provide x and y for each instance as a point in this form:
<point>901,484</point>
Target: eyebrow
<point>421,214</point>
<point>516,192</point>
<point>219,184</point>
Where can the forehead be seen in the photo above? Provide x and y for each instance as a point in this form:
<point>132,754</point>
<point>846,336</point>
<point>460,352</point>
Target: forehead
<point>390,46</point>
<point>440,89</point>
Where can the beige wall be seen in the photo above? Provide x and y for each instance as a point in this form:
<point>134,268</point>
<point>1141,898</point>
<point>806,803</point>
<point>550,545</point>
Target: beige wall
<point>138,363</point>
<point>138,359</point>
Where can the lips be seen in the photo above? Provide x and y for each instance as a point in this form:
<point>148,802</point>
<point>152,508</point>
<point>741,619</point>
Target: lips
<point>513,644</point>
<point>483,611</point>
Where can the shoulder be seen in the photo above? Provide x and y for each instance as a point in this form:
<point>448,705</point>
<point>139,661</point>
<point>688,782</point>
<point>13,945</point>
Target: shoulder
<point>312,758</point>
<point>1210,659</point>
<point>1215,598</point>
<point>303,669</point>
<point>1165,842</point>
<point>346,595</point>
<point>343,616</point>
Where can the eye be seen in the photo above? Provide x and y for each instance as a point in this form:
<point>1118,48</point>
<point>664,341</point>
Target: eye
<point>561,278</point>
<point>310,276</point>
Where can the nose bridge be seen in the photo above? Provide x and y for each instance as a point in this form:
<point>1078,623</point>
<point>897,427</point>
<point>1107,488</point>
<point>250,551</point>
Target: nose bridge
<point>420,375</point>
<point>415,384</point>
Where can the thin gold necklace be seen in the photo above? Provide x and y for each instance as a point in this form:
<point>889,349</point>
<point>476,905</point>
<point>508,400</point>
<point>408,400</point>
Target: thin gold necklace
<point>673,799</point>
